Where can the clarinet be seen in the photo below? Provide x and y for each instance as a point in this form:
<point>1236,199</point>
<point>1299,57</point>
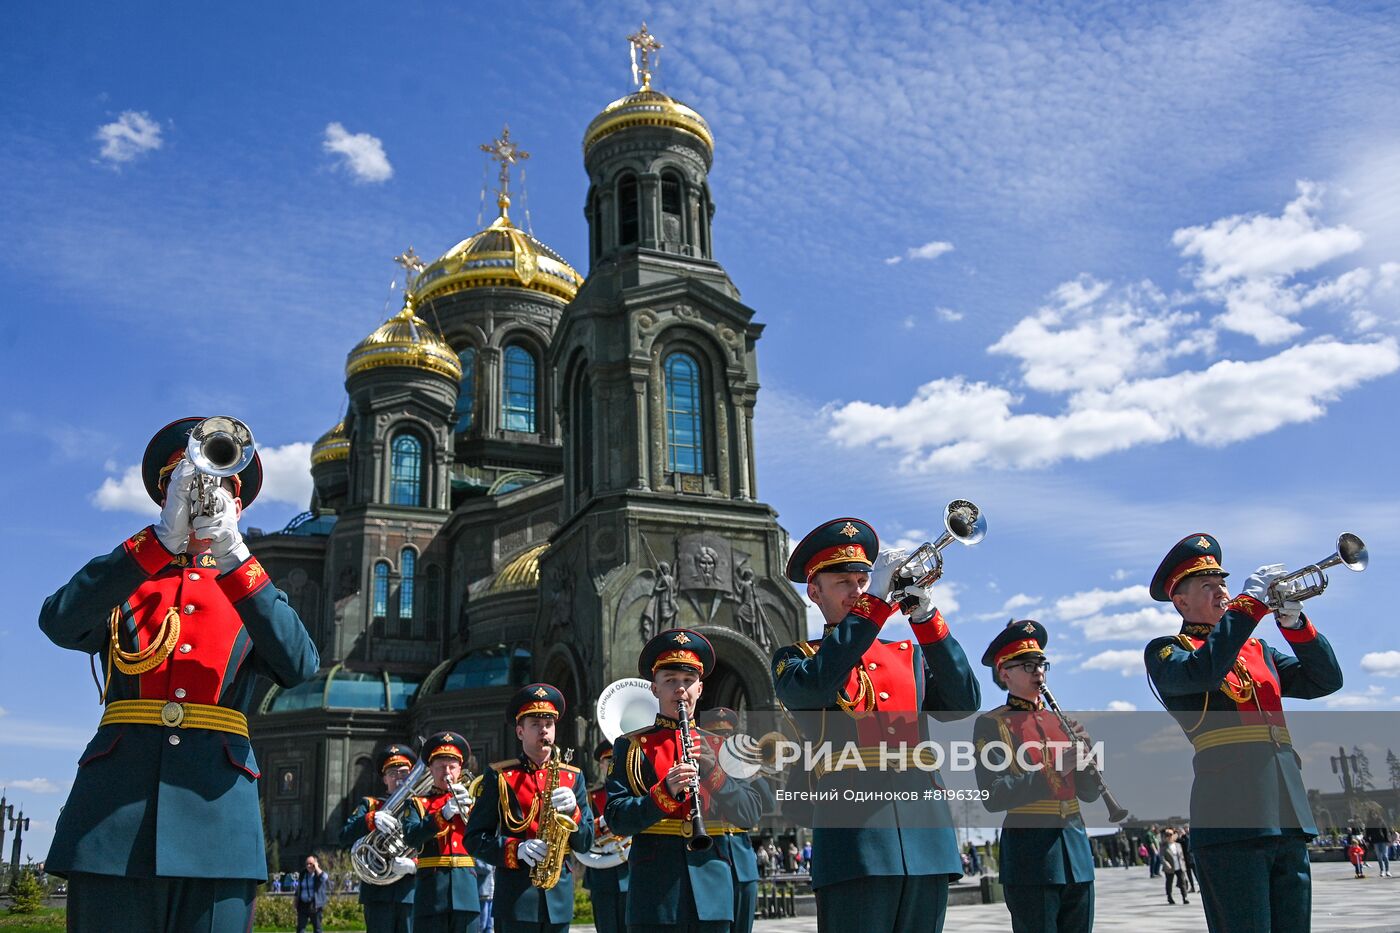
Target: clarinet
<point>699,840</point>
<point>1116,811</point>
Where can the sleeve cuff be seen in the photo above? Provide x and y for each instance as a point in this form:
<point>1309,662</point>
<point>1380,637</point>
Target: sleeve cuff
<point>1249,606</point>
<point>1301,635</point>
<point>932,630</point>
<point>512,854</point>
<point>662,798</point>
<point>244,580</point>
<point>872,609</point>
<point>369,820</point>
<point>145,548</point>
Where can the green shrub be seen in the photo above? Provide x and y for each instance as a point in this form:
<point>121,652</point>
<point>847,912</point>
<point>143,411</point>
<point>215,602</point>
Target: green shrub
<point>583,904</point>
<point>28,892</point>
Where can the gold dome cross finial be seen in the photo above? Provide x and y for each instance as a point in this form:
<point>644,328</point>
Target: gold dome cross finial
<point>505,151</point>
<point>644,42</point>
<point>413,265</point>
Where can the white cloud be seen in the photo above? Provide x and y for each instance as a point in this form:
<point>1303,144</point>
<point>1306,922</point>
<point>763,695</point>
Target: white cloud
<point>128,136</point>
<point>948,314</point>
<point>1091,602</point>
<point>286,478</point>
<point>1125,662</point>
<point>1147,620</point>
<point>35,785</point>
<point>931,250</point>
<point>1011,608</point>
<point>42,733</point>
<point>1372,696</point>
<point>125,493</point>
<point>1121,706</point>
<point>363,155</point>
<point>1382,663</point>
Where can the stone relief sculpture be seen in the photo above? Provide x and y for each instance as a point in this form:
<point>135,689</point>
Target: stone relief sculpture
<point>660,612</point>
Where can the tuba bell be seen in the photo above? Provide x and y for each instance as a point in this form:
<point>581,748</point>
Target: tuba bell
<point>218,447</point>
<point>373,854</point>
<point>1312,580</point>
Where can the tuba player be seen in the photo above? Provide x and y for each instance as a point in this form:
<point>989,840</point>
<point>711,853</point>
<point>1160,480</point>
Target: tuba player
<point>388,907</point>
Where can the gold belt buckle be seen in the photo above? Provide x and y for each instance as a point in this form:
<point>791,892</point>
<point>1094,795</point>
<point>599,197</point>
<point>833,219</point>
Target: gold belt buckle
<point>1064,809</point>
<point>172,714</point>
<point>1276,735</point>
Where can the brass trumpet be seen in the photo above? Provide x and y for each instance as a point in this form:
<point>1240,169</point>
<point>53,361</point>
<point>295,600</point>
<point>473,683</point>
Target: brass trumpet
<point>964,523</point>
<point>218,447</point>
<point>1351,553</point>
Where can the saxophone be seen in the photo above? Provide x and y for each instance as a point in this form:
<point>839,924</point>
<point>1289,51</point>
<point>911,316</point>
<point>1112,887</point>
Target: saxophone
<point>555,827</point>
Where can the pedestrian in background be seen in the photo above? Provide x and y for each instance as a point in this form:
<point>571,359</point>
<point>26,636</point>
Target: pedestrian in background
<point>1173,865</point>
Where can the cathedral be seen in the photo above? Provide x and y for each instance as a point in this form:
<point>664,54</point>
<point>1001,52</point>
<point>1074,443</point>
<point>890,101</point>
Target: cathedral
<point>536,472</point>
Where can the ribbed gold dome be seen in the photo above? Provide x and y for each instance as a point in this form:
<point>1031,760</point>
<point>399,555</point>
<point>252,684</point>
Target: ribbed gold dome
<point>646,107</point>
<point>501,256</point>
<point>333,445</point>
<point>522,573</point>
<point>405,340</point>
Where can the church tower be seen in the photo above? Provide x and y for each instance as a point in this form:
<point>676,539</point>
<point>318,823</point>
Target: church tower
<point>657,369</point>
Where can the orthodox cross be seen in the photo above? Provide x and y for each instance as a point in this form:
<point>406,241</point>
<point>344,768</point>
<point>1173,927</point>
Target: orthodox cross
<point>644,42</point>
<point>412,263</point>
<point>504,151</point>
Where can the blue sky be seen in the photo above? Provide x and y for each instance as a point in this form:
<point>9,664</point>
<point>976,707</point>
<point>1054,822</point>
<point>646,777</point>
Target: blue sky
<point>1117,274</point>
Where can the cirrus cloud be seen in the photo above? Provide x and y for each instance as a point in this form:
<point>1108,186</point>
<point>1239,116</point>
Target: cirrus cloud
<point>130,135</point>
<point>930,250</point>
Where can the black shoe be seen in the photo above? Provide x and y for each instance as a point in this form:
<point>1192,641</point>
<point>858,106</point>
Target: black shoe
<point>1170,901</point>
<point>1184,900</point>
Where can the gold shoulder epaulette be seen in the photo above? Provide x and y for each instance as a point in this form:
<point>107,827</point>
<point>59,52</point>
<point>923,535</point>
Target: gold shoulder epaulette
<point>505,764</point>
<point>573,768</point>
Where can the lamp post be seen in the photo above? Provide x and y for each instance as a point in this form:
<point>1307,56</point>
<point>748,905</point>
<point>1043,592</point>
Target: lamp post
<point>7,810</point>
<point>19,824</point>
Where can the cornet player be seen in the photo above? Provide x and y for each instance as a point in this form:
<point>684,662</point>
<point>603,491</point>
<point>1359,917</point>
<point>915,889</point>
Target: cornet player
<point>183,620</point>
<point>1046,866</point>
<point>894,876</point>
<point>505,826</point>
<point>1250,818</point>
<point>388,907</point>
<point>677,882</point>
<point>445,898</point>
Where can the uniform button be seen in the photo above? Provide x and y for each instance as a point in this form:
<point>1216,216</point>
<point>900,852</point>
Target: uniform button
<point>904,646</point>
<point>174,740</point>
<point>179,693</point>
<point>873,665</point>
<point>189,609</point>
<point>193,575</point>
<point>891,730</point>
<point>186,648</point>
<point>884,695</point>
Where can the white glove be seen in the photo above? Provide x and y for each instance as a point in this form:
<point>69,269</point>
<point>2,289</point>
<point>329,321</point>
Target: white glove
<point>925,608</point>
<point>531,851</point>
<point>221,531</point>
<point>403,866</point>
<point>450,809</point>
<point>173,529</point>
<point>883,571</point>
<point>563,800</point>
<point>462,796</point>
<point>386,823</point>
<point>1260,580</point>
<point>602,825</point>
<point>1291,615</point>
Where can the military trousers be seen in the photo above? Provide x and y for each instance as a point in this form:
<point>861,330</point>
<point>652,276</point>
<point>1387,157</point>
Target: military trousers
<point>690,926</point>
<point>745,903</point>
<point>507,925</point>
<point>609,911</point>
<point>1259,885</point>
<point>1050,908</point>
<point>388,918</point>
<point>884,904</point>
<point>102,903</point>
<point>454,921</point>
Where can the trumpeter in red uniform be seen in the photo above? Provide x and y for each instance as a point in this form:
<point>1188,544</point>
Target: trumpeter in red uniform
<point>446,898</point>
<point>184,620</point>
<point>1250,818</point>
<point>505,826</point>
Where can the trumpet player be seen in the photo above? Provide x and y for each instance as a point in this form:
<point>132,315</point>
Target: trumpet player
<point>446,898</point>
<point>743,863</point>
<point>606,886</point>
<point>183,620</point>
<point>388,907</point>
<point>1046,866</point>
<point>508,826</point>
<point>1250,816</point>
<point>679,880</point>
<point>892,876</point>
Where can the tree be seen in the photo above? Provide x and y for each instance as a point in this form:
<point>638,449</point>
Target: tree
<point>27,892</point>
<point>1393,764</point>
<point>1361,776</point>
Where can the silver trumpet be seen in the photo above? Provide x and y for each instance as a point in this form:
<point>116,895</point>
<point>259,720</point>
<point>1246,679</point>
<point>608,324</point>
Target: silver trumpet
<point>218,447</point>
<point>373,854</point>
<point>1350,553</point>
<point>964,523</point>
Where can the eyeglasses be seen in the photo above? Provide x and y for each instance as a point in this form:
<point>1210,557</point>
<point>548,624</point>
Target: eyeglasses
<point>1030,667</point>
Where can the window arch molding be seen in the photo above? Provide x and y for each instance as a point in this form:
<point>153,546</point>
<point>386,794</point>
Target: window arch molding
<point>523,389</point>
<point>410,458</point>
<point>715,416</point>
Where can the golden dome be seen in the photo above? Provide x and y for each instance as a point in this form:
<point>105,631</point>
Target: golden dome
<point>501,256</point>
<point>333,445</point>
<point>405,340</point>
<point>522,573</point>
<point>646,107</point>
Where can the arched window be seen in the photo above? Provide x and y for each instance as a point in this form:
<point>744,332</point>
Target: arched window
<point>406,471</point>
<point>671,212</point>
<point>629,213</point>
<point>685,440</point>
<point>381,589</point>
<point>518,390</point>
<point>408,560</point>
<point>465,413</point>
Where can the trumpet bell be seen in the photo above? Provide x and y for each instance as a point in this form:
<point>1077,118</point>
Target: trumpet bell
<point>965,522</point>
<point>220,446</point>
<point>1352,551</point>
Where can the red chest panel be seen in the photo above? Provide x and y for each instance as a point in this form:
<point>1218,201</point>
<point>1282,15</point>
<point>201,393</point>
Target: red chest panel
<point>1268,693</point>
<point>1030,732</point>
<point>662,748</point>
<point>524,786</point>
<point>599,800</point>
<point>211,642</point>
<point>451,834</point>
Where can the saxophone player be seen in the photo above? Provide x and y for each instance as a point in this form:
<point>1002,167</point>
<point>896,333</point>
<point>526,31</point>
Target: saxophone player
<point>677,881</point>
<point>446,898</point>
<point>388,907</point>
<point>509,820</point>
